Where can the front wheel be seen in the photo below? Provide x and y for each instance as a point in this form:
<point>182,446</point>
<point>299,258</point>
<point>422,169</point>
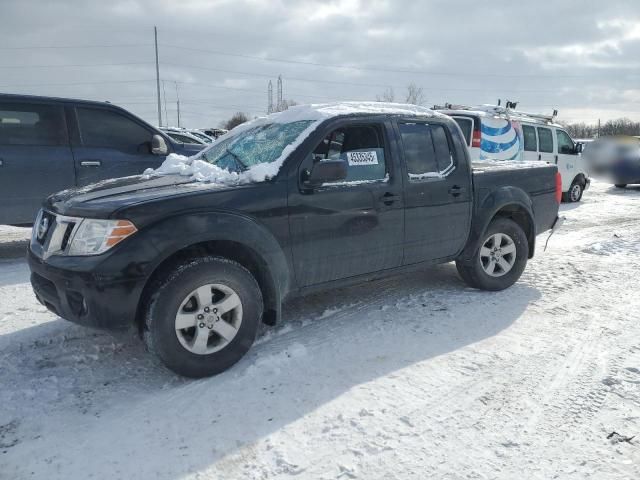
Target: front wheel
<point>203,317</point>
<point>575,192</point>
<point>501,258</point>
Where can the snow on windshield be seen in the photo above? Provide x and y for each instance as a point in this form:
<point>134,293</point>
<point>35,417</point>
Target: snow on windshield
<point>255,151</point>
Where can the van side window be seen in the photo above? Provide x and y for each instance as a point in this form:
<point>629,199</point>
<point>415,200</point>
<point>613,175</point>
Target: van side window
<point>530,139</point>
<point>426,150</point>
<point>106,128</point>
<point>32,124</point>
<point>361,146</point>
<point>466,125</point>
<point>545,139</point>
<point>565,144</point>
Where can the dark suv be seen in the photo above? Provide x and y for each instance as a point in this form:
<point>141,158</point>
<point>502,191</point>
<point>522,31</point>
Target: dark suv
<point>49,144</point>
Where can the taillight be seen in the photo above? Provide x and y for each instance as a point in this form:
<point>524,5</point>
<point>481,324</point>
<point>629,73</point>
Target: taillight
<point>558,187</point>
<point>476,140</point>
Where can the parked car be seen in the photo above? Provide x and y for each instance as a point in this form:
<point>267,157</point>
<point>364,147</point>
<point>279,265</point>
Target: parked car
<point>49,144</point>
<point>615,159</point>
<point>214,132</point>
<point>500,133</point>
<point>183,136</point>
<point>313,198</point>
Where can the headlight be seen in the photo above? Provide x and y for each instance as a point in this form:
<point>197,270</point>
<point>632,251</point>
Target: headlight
<point>93,237</point>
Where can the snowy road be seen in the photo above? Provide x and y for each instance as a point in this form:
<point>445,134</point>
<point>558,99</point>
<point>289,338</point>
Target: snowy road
<point>410,377</point>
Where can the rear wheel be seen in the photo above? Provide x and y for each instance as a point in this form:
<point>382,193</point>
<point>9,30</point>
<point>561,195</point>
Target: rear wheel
<point>501,258</point>
<point>621,185</point>
<point>203,317</point>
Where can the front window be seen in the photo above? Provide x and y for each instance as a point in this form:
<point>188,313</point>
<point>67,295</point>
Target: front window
<point>260,144</point>
<point>565,144</point>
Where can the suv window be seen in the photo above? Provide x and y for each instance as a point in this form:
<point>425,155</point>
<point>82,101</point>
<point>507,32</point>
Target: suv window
<point>32,124</point>
<point>361,146</point>
<point>545,139</point>
<point>106,128</point>
<point>565,144</point>
<point>426,150</point>
<point>530,139</point>
<point>466,125</point>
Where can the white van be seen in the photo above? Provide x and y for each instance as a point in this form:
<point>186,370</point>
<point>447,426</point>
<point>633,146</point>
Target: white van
<point>499,133</point>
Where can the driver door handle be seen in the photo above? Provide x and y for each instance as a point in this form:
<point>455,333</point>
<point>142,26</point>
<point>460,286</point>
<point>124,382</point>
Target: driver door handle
<point>91,163</point>
<point>389,198</point>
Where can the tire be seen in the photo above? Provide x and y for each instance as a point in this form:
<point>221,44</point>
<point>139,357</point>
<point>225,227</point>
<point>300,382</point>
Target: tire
<point>475,273</point>
<point>200,350</point>
<point>575,192</point>
<point>621,185</point>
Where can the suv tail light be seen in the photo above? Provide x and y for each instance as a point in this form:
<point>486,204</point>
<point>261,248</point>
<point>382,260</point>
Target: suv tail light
<point>558,187</point>
<point>476,139</point>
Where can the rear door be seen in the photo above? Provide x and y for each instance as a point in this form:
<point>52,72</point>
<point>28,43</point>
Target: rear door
<point>437,191</point>
<point>355,226</point>
<point>111,144</point>
<point>35,158</point>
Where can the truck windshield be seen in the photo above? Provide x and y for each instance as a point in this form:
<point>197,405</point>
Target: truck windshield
<point>261,144</point>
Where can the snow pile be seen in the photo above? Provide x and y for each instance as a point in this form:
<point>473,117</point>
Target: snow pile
<point>202,171</point>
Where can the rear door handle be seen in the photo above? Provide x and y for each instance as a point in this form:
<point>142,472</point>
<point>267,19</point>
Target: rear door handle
<point>456,191</point>
<point>91,163</point>
<point>388,198</point>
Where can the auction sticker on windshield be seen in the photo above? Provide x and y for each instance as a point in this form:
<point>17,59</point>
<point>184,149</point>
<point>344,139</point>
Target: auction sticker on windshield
<point>362,158</point>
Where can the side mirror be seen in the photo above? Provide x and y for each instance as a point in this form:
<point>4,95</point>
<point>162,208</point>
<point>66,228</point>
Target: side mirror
<point>326,171</point>
<point>158,145</point>
<point>579,147</point>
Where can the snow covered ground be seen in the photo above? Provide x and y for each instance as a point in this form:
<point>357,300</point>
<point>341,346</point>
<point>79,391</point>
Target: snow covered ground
<point>410,377</point>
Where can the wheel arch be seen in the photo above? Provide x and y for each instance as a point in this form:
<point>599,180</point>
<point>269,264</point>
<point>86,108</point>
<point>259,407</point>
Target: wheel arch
<point>234,237</point>
<point>507,202</point>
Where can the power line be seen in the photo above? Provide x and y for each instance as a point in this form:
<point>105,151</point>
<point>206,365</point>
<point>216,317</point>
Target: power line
<point>373,69</point>
<point>75,83</point>
<point>47,47</point>
<point>74,65</point>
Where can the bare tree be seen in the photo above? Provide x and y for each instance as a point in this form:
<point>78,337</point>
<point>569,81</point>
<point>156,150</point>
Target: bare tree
<point>237,119</point>
<point>619,126</point>
<point>386,96</point>
<point>415,95</point>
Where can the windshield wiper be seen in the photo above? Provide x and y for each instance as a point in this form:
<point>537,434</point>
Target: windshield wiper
<point>237,159</point>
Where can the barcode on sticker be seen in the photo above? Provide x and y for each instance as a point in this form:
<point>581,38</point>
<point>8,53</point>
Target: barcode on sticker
<point>362,158</point>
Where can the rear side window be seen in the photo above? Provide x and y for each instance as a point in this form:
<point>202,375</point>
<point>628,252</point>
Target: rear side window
<point>546,140</point>
<point>466,125</point>
<point>32,124</point>
<point>361,146</point>
<point>530,139</point>
<point>105,128</point>
<point>426,150</point>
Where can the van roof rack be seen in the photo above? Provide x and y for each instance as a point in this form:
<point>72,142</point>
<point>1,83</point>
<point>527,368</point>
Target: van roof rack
<point>507,110</point>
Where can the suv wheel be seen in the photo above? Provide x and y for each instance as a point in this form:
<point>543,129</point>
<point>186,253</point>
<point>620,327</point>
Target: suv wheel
<point>203,317</point>
<point>501,258</point>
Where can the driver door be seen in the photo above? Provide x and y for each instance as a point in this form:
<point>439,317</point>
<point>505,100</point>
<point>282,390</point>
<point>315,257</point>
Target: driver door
<point>110,144</point>
<point>351,227</point>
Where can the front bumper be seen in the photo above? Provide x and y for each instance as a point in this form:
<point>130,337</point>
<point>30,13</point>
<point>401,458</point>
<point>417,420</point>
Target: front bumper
<point>87,291</point>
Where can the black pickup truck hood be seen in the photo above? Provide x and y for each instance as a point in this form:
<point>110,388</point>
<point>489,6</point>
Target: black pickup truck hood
<point>102,199</point>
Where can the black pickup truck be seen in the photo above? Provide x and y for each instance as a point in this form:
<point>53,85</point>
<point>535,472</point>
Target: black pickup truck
<point>313,198</point>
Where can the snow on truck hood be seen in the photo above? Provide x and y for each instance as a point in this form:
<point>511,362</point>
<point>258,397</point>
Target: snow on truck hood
<point>202,171</point>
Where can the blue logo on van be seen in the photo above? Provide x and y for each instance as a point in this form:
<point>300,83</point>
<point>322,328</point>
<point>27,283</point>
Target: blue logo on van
<point>501,139</point>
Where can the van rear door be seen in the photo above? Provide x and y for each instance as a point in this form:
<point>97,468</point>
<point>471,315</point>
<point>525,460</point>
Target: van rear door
<point>35,158</point>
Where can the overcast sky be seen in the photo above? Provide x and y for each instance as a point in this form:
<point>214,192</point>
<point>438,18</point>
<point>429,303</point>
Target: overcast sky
<point>579,56</point>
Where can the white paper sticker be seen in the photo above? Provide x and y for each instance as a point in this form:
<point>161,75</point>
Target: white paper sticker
<point>362,158</point>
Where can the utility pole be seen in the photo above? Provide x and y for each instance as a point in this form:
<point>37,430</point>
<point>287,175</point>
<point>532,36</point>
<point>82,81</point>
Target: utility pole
<point>598,128</point>
<point>279,106</point>
<point>164,95</point>
<point>178,103</point>
<point>155,35</point>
